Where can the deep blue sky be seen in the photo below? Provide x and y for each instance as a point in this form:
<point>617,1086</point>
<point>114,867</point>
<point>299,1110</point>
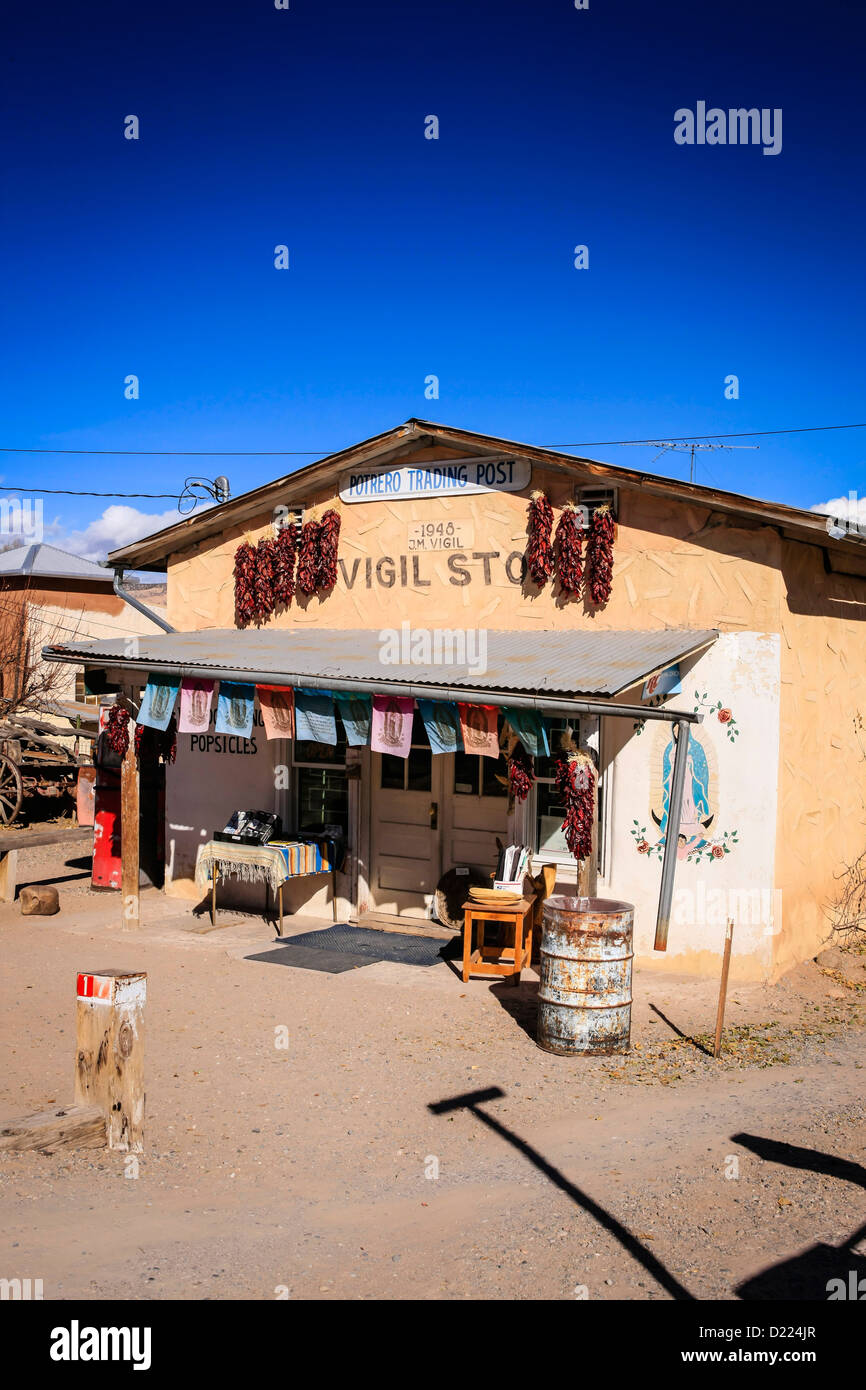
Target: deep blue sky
<point>411,256</point>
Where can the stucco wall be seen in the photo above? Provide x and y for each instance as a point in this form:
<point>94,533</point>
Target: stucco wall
<point>726,868</point>
<point>822,773</point>
<point>670,569</point>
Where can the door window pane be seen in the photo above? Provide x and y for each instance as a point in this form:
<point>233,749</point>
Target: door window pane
<point>419,769</point>
<point>393,772</point>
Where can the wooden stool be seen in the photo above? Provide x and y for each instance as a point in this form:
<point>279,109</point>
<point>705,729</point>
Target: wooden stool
<point>496,960</point>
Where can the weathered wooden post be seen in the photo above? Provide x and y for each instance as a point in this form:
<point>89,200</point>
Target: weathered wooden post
<point>8,874</point>
<point>723,987</point>
<point>129,849</point>
<point>109,1069</point>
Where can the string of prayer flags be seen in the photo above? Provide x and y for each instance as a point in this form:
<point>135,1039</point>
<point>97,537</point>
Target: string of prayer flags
<point>442,723</point>
<point>235,709</point>
<point>529,727</point>
<point>157,702</point>
<point>196,697</point>
<point>315,721</point>
<point>356,712</point>
<point>478,725</point>
<point>392,724</point>
<point>277,705</point>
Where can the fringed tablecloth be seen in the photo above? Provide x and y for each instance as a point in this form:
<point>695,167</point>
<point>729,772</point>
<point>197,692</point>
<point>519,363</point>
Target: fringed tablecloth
<point>249,863</point>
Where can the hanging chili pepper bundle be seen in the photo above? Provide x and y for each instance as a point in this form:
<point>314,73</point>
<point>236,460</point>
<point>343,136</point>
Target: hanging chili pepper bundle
<point>263,587</point>
<point>569,539</point>
<point>284,552</point>
<point>245,579</point>
<point>329,536</point>
<point>574,780</point>
<point>168,741</point>
<point>117,730</point>
<point>599,554</point>
<point>521,772</point>
<point>308,558</point>
<point>539,552</point>
<point>139,733</point>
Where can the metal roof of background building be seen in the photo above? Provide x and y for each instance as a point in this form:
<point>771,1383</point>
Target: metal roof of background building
<point>561,662</point>
<point>48,562</point>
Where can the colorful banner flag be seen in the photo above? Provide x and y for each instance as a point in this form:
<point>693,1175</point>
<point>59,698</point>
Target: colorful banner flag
<point>478,727</point>
<point>196,697</point>
<point>356,712</point>
<point>392,724</point>
<point>277,705</point>
<point>442,725</point>
<point>235,709</point>
<point>528,725</point>
<point>314,716</point>
<point>157,702</point>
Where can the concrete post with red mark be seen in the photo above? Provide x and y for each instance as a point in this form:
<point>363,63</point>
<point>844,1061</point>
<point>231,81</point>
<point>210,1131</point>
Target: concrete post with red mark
<point>109,1065</point>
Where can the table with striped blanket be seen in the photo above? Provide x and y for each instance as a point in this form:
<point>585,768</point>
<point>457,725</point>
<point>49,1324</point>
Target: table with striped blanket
<point>271,864</point>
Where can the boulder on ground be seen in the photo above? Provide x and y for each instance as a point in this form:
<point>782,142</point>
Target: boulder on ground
<point>41,900</point>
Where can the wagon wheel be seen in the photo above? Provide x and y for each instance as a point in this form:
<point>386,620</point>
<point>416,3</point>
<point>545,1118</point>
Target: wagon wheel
<point>11,790</point>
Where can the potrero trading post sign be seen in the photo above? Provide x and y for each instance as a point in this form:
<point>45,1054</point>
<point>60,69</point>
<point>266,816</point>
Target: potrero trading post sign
<point>445,478</point>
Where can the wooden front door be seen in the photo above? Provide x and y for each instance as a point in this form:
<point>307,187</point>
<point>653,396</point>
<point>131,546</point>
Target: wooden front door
<point>406,807</point>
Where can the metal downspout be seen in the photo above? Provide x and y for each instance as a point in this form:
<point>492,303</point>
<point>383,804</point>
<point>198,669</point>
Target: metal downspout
<point>138,605</point>
<point>672,835</point>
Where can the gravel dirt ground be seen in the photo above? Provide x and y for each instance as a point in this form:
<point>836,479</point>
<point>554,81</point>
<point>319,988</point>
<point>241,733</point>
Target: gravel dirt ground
<point>320,1171</point>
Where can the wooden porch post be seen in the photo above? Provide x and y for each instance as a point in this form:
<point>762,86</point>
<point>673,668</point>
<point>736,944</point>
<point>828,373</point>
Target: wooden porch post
<point>129,847</point>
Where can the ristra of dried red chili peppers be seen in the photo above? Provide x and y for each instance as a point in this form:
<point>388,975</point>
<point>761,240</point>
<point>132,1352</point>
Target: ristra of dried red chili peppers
<point>117,730</point>
<point>539,551</point>
<point>284,552</point>
<point>308,558</point>
<point>569,541</point>
<point>521,772</point>
<point>263,586</point>
<point>329,537</point>
<point>168,742</point>
<point>156,743</point>
<point>574,780</point>
<point>599,554</point>
<point>245,579</point>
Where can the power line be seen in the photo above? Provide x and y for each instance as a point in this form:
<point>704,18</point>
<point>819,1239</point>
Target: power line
<point>68,492</point>
<point>305,453</point>
<point>687,438</point>
<point>690,440</point>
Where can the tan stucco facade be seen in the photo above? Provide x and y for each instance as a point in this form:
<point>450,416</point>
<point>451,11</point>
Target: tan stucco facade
<point>678,564</point>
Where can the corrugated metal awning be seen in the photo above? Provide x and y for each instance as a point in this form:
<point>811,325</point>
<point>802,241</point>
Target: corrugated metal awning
<point>543,663</point>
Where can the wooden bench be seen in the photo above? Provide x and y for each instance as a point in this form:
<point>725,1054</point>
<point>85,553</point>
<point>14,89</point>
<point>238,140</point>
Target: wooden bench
<point>11,842</point>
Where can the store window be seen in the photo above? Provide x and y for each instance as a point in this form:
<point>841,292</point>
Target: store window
<point>321,785</point>
<point>412,774</point>
<point>563,735</point>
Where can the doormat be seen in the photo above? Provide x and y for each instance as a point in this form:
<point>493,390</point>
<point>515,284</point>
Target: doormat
<point>343,947</point>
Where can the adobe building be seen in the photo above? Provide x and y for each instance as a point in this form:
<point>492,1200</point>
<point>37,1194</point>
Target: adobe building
<point>746,616</point>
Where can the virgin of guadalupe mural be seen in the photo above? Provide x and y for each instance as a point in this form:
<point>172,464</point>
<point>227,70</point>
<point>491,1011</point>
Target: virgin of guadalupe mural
<point>697,808</point>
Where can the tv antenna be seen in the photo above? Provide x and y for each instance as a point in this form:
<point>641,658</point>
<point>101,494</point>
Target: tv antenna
<point>672,445</point>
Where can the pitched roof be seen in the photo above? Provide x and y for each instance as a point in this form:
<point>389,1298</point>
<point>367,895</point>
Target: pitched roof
<point>48,562</point>
<point>152,552</point>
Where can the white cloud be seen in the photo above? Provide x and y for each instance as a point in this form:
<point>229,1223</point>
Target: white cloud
<point>850,508</point>
<point>117,526</point>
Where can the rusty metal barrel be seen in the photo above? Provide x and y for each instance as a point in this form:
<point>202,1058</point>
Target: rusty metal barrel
<point>585,991</point>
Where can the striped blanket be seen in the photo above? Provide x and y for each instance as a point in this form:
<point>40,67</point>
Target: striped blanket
<point>249,863</point>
